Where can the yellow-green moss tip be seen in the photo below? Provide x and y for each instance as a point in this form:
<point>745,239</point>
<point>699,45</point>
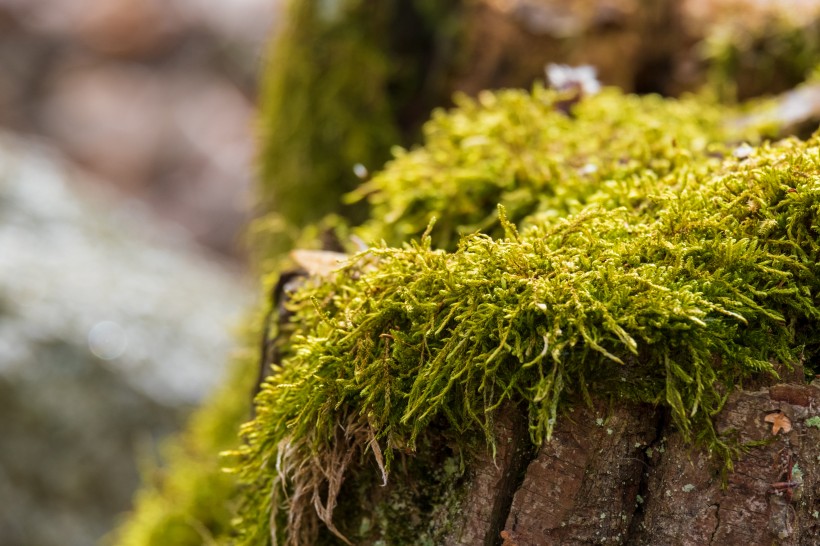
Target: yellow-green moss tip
<point>518,149</point>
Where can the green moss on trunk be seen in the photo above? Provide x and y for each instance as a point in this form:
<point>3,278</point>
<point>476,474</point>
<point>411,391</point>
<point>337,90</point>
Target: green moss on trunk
<point>669,273</point>
<point>190,501</point>
<point>346,81</point>
<point>639,253</point>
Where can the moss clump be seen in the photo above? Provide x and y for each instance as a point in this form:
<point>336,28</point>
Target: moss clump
<point>813,422</point>
<point>520,150</point>
<point>189,501</point>
<point>346,80</point>
<point>635,257</point>
<point>668,274</point>
<point>747,60</point>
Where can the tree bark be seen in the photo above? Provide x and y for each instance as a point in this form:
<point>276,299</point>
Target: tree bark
<point>623,475</point>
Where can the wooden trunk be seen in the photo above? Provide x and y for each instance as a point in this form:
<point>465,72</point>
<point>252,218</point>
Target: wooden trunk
<point>623,475</point>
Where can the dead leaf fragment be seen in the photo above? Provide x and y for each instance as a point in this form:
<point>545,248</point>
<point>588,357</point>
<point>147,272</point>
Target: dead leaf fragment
<point>321,263</point>
<point>779,422</point>
<point>508,538</point>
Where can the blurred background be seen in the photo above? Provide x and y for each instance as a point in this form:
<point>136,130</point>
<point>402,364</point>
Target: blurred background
<point>153,98</point>
<point>126,153</point>
<point>140,139</point>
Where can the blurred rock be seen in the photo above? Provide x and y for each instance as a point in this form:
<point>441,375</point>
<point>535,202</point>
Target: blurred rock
<point>111,327</point>
<point>180,140</point>
<point>244,21</point>
<point>110,118</point>
<point>703,14</point>
<point>155,96</point>
<point>127,28</point>
<point>112,26</point>
<point>646,46</point>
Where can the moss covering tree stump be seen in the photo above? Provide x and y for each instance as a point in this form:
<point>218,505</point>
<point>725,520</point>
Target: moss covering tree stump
<point>606,324</point>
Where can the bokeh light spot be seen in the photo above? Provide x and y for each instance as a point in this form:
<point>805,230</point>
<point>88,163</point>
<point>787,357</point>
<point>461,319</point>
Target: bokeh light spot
<point>107,340</point>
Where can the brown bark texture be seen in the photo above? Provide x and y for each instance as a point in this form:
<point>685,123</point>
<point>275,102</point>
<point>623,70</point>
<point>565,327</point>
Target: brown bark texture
<point>621,474</point>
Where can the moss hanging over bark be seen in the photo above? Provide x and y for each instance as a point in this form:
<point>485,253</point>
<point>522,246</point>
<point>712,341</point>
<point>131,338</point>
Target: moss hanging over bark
<point>669,273</point>
<point>640,253</point>
<point>636,258</point>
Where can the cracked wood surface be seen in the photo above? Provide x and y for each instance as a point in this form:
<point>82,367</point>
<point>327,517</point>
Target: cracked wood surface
<point>686,503</point>
<point>493,482</point>
<point>583,485</point>
<point>622,475</point>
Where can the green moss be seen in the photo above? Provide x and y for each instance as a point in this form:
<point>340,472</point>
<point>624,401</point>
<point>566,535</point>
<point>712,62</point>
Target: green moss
<point>188,501</point>
<point>751,60</point>
<point>813,422</point>
<point>346,80</point>
<point>669,274</point>
<point>519,150</point>
<point>634,257</point>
